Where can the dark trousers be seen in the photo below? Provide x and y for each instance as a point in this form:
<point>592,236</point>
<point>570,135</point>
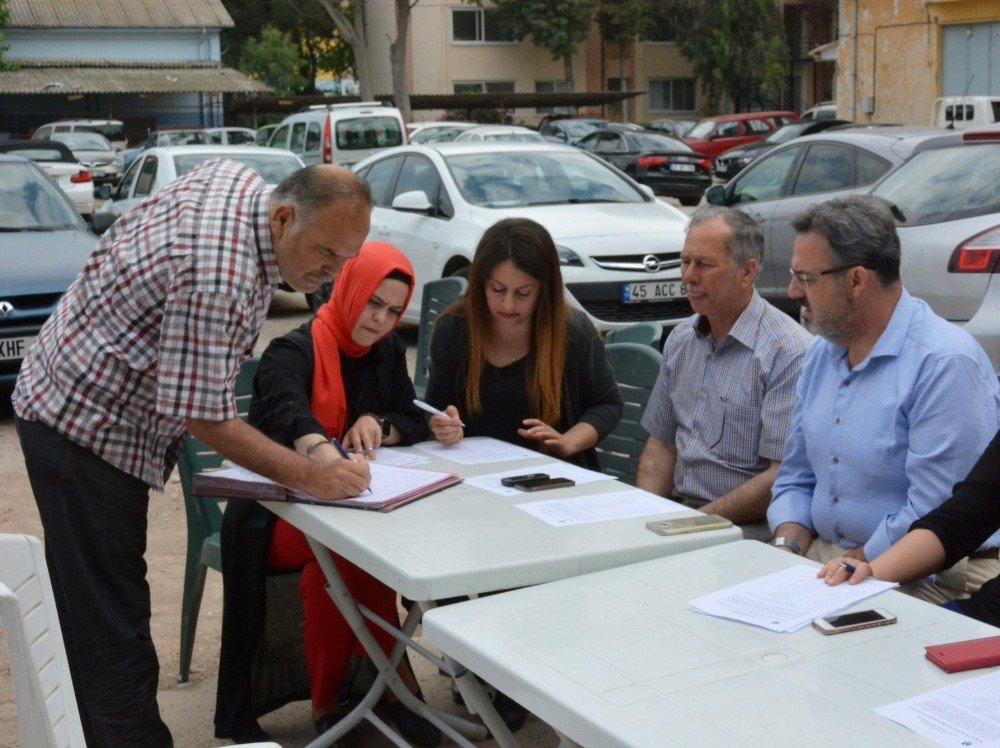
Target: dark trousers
<point>94,517</point>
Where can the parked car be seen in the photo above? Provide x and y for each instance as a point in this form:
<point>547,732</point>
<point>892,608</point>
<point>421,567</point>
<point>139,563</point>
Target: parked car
<point>163,137</point>
<point>822,110</point>
<point>231,135</point>
<point>94,151</point>
<point>963,112</point>
<point>946,199</point>
<point>713,135</point>
<point>619,247</point>
<point>341,134</point>
<point>677,128</point>
<point>499,134</point>
<point>731,162</point>
<point>570,129</point>
<point>665,164</point>
<point>155,168</point>
<point>44,243</point>
<point>58,161</point>
<point>804,171</point>
<point>112,129</point>
<point>623,127</point>
<point>437,132</point>
<point>264,133</point>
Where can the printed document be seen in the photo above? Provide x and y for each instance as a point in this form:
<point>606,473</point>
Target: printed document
<point>965,713</point>
<point>582,510</point>
<point>786,600</point>
<point>555,469</point>
<point>477,450</point>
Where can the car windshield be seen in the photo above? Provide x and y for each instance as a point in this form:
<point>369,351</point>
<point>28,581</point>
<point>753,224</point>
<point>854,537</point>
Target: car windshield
<point>945,184</point>
<point>702,130</point>
<point>508,179</point>
<point>579,128</point>
<point>650,142</point>
<point>83,141</point>
<point>512,137</point>
<point>29,201</point>
<point>111,132</point>
<point>786,133</point>
<point>272,167</point>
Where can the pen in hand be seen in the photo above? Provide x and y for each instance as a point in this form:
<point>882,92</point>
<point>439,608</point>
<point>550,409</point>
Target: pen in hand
<point>433,411</point>
<point>340,448</point>
<point>847,567</point>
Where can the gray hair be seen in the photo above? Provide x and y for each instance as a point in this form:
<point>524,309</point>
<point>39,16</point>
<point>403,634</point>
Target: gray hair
<point>859,229</point>
<point>746,239</point>
<point>314,188</point>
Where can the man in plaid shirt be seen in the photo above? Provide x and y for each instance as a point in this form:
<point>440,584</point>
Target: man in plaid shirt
<point>146,345</point>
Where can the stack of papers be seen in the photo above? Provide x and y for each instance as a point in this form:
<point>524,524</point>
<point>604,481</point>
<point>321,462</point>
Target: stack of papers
<point>391,486</point>
<point>787,600</point>
<point>477,450</point>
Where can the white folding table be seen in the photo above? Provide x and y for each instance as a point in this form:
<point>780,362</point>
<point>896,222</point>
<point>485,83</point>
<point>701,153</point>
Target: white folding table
<point>619,658</point>
<point>466,541</point>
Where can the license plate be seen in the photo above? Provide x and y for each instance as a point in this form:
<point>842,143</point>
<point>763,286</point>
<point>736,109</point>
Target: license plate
<point>13,349</point>
<point>681,167</point>
<point>638,293</point>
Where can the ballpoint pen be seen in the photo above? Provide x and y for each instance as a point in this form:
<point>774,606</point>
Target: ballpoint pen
<point>433,411</point>
<point>340,448</point>
<point>847,567</point>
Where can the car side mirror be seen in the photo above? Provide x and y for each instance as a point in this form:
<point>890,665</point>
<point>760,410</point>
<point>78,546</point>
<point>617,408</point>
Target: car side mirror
<point>716,195</point>
<point>101,222</point>
<point>103,192</point>
<point>414,201</point>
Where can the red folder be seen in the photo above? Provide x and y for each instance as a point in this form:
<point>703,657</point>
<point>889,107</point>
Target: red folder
<point>968,655</point>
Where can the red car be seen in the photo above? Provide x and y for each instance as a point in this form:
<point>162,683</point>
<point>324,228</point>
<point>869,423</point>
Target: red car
<point>713,135</point>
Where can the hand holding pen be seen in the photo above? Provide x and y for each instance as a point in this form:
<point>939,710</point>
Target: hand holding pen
<point>445,424</point>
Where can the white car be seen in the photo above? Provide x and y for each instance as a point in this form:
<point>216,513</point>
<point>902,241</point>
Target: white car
<point>230,135</point>
<point>499,134</point>
<point>56,160</point>
<point>95,152</point>
<point>619,247</point>
<point>437,132</point>
<point>155,168</point>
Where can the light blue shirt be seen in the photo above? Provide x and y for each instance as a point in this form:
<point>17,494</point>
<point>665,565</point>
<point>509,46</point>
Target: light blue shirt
<point>873,448</point>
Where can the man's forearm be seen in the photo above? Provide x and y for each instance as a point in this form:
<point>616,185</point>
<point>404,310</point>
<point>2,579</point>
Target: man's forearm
<point>747,503</point>
<point>801,535</point>
<point>655,472</point>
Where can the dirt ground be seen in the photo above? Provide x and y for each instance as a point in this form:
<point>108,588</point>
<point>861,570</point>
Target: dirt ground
<point>188,709</point>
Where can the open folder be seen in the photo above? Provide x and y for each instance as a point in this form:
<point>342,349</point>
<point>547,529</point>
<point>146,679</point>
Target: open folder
<point>391,486</point>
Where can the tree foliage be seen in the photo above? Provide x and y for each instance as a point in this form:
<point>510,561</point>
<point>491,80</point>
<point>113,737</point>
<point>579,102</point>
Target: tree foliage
<point>273,59</point>
<point>4,14</point>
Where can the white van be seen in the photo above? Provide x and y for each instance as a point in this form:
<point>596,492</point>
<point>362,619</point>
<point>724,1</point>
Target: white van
<point>112,129</point>
<point>341,134</point>
<point>963,112</point>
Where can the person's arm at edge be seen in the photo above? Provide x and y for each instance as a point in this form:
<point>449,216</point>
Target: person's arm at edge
<point>655,472</point>
<point>801,535</point>
<point>919,554</point>
<point>746,503</point>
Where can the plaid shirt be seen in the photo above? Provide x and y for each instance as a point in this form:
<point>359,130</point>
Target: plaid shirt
<point>727,406</point>
<point>154,329</point>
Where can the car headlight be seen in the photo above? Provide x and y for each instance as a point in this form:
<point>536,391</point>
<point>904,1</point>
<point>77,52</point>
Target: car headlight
<point>568,257</point>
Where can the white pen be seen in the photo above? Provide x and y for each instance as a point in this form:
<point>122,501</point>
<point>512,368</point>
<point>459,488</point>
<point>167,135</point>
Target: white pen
<point>433,411</point>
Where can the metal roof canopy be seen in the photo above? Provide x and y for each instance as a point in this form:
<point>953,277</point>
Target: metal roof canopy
<point>293,104</point>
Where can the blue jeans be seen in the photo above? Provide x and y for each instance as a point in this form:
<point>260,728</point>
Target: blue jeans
<point>94,517</point>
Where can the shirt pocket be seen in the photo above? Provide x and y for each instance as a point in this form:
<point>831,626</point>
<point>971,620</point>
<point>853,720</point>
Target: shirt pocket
<point>734,434</point>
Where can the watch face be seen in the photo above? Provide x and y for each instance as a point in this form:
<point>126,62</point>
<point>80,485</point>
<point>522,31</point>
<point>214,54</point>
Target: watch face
<point>386,428</point>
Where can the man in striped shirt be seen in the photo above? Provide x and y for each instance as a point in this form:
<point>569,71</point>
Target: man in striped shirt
<point>145,346</point>
<point>719,413</point>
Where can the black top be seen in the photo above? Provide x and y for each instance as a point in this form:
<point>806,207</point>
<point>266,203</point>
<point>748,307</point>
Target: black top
<point>965,521</point>
<point>590,393</point>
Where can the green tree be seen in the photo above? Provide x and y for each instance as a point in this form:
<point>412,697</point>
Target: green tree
<point>273,59</point>
<point>560,26</point>
<point>4,14</point>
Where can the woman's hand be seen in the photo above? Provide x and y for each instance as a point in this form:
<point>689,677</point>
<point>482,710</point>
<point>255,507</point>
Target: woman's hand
<point>551,440</point>
<point>447,430</point>
<point>365,435</point>
<point>834,572</point>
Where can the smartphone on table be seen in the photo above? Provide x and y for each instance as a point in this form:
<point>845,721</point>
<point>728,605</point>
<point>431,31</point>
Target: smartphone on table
<point>860,619</point>
<point>510,480</point>
<point>542,484</point>
<point>681,525</point>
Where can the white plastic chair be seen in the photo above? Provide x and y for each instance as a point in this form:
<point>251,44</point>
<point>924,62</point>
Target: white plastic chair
<point>43,688</point>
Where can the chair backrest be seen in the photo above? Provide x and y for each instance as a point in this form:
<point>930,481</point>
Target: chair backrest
<point>636,367</point>
<point>645,333</point>
<point>203,514</point>
<point>438,295</point>
<point>43,688</point>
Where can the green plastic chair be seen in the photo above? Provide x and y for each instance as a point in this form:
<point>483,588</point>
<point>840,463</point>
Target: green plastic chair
<point>438,295</point>
<point>204,520</point>
<point>636,367</point>
<point>644,333</point>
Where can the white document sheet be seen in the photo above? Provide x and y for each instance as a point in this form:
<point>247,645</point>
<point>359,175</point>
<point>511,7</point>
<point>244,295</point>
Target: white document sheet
<point>397,458</point>
<point>965,713</point>
<point>786,600</point>
<point>477,450</point>
<point>582,510</point>
<point>555,470</point>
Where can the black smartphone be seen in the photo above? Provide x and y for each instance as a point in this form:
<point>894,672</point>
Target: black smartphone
<point>510,480</point>
<point>541,484</point>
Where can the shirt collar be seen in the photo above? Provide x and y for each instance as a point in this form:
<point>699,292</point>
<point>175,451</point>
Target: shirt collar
<point>262,233</point>
<point>744,329</point>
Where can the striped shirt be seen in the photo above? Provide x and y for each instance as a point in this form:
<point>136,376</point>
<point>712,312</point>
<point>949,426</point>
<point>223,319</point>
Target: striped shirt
<point>154,329</point>
<point>726,406</point>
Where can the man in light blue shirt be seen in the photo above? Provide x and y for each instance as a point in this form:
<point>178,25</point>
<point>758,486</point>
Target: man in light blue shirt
<point>894,403</point>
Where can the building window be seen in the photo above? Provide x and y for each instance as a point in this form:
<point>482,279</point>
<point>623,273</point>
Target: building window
<point>544,87</point>
<point>473,87</point>
<point>671,95</point>
<point>477,25</point>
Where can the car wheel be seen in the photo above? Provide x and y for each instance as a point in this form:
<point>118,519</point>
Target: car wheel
<point>319,297</point>
<point>689,202</point>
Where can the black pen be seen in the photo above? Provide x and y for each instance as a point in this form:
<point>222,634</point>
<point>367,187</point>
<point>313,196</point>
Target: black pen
<point>847,567</point>
<point>340,448</point>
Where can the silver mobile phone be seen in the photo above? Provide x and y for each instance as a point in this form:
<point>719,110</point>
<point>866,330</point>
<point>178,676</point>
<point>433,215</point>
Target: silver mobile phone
<point>682,525</point>
<point>860,619</point>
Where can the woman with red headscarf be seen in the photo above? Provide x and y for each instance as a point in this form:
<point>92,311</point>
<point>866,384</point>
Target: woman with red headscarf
<point>341,375</point>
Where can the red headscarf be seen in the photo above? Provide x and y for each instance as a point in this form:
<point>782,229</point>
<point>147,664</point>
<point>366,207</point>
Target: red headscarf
<point>335,320</point>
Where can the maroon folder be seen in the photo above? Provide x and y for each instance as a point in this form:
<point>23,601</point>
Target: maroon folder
<point>968,655</point>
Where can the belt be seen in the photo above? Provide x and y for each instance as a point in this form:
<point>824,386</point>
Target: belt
<point>985,553</point>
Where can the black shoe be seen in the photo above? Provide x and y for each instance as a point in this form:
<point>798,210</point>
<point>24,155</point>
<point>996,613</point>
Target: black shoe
<point>348,740</point>
<point>416,729</point>
<point>513,714</point>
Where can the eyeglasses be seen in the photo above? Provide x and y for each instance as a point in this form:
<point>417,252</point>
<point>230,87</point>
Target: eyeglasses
<point>804,279</point>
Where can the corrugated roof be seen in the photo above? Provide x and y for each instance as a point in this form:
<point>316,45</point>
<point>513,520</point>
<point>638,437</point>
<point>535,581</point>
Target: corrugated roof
<point>117,14</point>
<point>87,76</point>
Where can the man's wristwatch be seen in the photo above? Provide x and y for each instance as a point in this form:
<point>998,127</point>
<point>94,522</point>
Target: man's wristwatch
<point>382,424</point>
<point>782,542</point>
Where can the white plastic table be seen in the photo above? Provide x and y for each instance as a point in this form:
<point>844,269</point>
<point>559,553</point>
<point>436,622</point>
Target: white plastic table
<point>463,541</point>
<point>618,658</point>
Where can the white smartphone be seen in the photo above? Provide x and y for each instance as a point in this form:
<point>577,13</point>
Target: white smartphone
<point>861,619</point>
